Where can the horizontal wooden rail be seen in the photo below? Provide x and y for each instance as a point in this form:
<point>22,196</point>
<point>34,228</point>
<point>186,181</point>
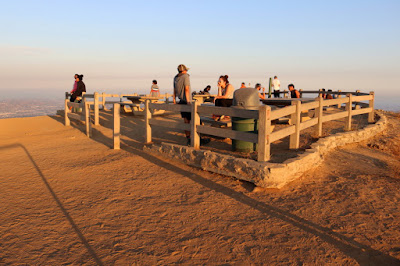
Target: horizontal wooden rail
<point>308,106</point>
<point>227,133</point>
<point>288,110</point>
<point>334,92</point>
<point>169,124</point>
<point>308,123</point>
<point>365,105</point>
<point>362,111</point>
<point>335,116</point>
<point>76,116</point>
<point>334,101</point>
<point>232,112</point>
<point>170,107</point>
<point>362,98</point>
<point>281,133</point>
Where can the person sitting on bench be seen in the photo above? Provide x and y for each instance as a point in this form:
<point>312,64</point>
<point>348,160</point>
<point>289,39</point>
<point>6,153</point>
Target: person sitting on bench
<point>259,88</point>
<point>225,95</point>
<point>80,88</point>
<point>154,90</point>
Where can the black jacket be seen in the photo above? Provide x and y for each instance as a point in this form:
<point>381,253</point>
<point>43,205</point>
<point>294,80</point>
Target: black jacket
<point>79,89</point>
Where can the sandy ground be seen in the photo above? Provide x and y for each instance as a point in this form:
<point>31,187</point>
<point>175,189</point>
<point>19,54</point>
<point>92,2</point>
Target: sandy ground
<point>68,199</point>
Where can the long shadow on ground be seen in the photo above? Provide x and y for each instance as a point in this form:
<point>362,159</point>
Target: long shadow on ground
<point>361,253</point>
<point>57,200</point>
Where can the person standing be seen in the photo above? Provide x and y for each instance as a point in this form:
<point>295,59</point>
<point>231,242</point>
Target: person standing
<point>276,85</point>
<point>80,88</point>
<point>182,91</point>
<point>154,90</point>
<point>243,85</point>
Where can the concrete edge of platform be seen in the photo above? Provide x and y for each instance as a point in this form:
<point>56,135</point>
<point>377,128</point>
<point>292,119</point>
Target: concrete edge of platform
<point>266,174</point>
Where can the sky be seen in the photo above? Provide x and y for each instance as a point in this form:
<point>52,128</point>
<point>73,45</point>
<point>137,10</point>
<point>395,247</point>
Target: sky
<point>124,45</point>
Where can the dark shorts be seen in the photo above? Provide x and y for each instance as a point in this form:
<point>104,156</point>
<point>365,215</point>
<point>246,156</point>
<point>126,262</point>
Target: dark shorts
<point>186,115</point>
<point>223,102</point>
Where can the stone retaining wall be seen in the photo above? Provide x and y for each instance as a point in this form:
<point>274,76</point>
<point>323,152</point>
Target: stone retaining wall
<point>265,174</point>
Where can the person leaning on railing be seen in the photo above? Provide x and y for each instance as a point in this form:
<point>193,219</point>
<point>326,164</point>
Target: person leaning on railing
<point>293,92</point>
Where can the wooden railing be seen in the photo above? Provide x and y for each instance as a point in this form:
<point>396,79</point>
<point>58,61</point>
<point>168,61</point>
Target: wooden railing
<point>338,93</point>
<point>83,115</point>
<point>99,100</point>
<point>265,116</point>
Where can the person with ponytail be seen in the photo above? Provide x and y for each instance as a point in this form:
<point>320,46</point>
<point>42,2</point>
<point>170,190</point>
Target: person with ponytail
<point>225,92</point>
<point>225,95</point>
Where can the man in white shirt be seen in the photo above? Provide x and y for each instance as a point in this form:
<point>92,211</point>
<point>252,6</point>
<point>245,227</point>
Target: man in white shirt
<point>276,85</point>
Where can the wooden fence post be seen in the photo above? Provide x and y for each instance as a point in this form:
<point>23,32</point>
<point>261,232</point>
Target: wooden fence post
<point>264,130</point>
<point>337,97</point>
<point>147,121</point>
<point>319,113</point>
<point>96,109</point>
<point>117,126</point>
<point>296,121</point>
<point>66,112</point>
<point>371,115</point>
<point>285,94</point>
<point>86,113</point>
<point>103,101</point>
<point>194,136</point>
<point>349,109</point>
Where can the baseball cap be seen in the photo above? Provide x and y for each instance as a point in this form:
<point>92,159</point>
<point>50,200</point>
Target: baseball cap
<point>182,67</point>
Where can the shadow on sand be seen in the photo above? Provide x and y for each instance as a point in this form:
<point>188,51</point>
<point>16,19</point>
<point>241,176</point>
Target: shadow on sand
<point>363,254</point>
<point>57,200</point>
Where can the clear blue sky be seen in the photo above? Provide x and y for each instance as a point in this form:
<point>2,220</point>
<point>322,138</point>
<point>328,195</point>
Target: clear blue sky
<point>126,44</point>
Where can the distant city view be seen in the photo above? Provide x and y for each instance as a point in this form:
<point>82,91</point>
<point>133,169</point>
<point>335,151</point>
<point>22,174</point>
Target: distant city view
<point>29,105</point>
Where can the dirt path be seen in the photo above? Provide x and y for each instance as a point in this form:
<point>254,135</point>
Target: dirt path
<point>69,199</point>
